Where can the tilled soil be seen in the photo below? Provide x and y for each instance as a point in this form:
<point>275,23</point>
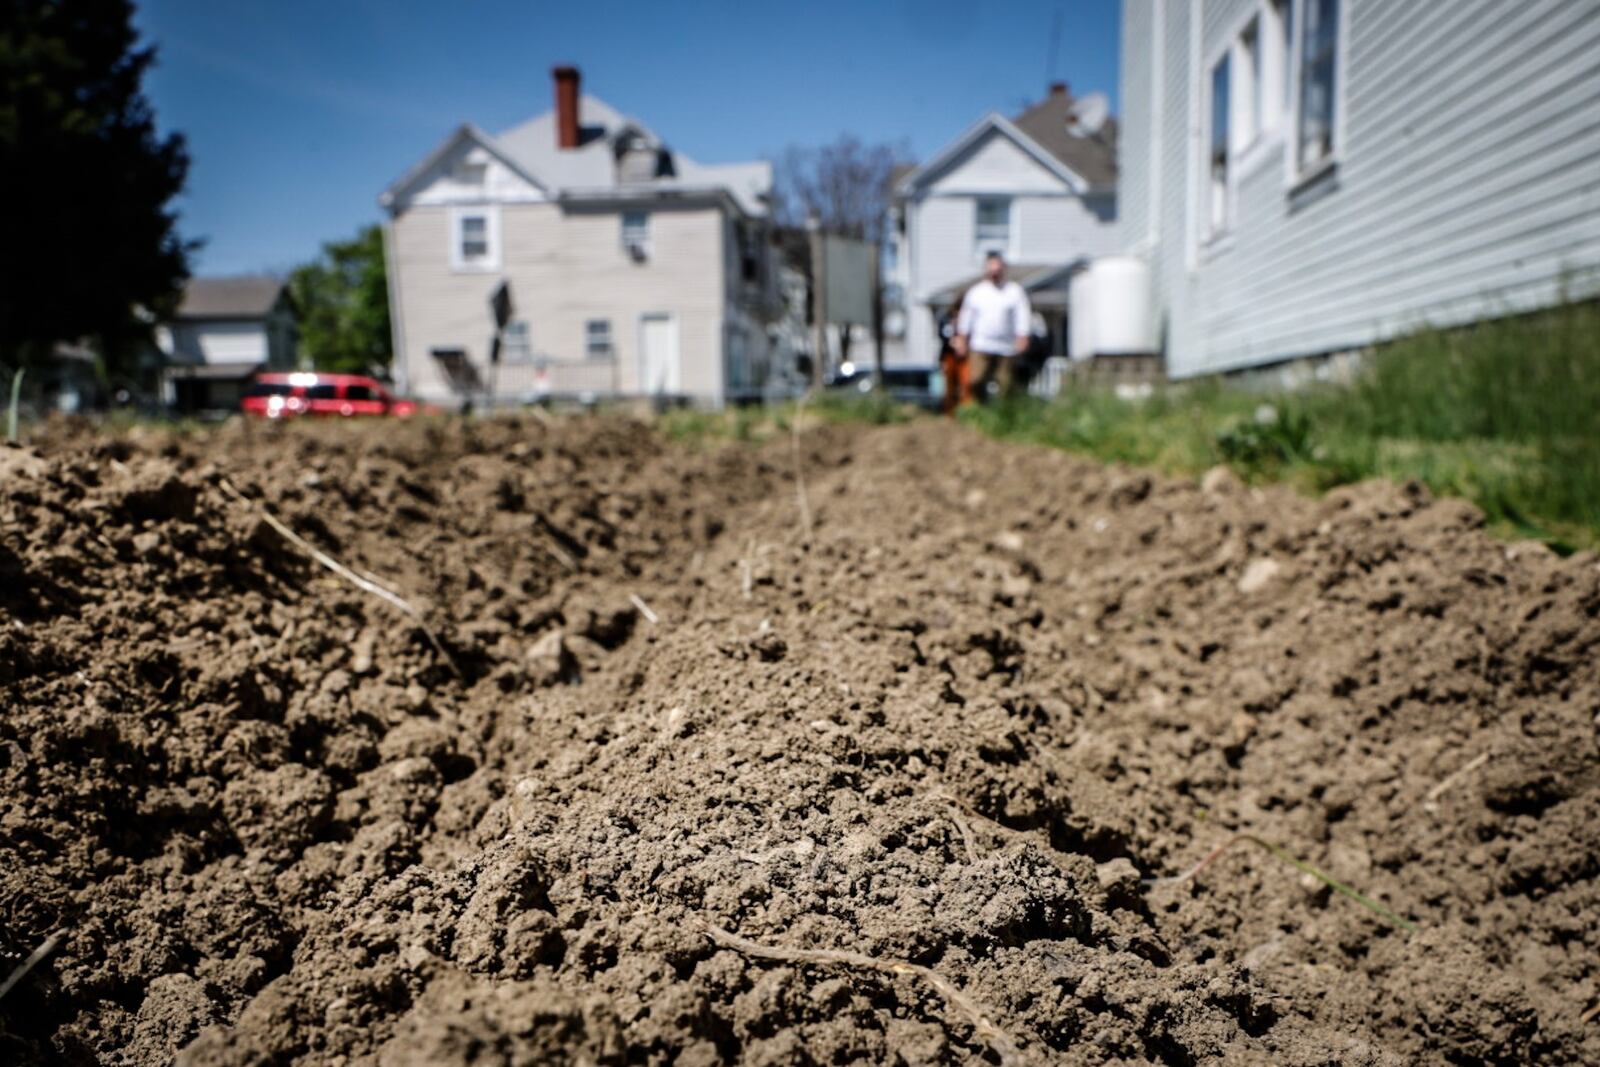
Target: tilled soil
<point>949,710</point>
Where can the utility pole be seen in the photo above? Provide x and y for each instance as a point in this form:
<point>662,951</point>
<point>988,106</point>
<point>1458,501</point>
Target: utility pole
<point>819,300</point>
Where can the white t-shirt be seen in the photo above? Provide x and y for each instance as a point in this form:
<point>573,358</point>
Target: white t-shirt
<point>994,316</point>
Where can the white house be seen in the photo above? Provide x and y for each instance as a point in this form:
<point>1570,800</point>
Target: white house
<point>1039,188</point>
<point>631,268</point>
<point>1304,177</point>
<point>226,330</point>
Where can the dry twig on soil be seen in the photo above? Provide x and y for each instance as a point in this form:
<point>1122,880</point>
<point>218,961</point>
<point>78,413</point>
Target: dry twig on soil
<point>1451,779</point>
<point>366,585</point>
<point>982,1028</point>
<point>1305,868</point>
<point>1590,1015</point>
<point>643,609</point>
<point>34,959</point>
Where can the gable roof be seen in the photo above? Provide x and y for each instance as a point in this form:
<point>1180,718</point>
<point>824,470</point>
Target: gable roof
<point>251,296</point>
<point>1087,164</point>
<point>464,132</point>
<point>531,150</point>
<point>1093,156</point>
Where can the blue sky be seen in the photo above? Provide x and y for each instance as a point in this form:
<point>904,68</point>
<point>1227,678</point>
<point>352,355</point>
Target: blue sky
<point>299,112</point>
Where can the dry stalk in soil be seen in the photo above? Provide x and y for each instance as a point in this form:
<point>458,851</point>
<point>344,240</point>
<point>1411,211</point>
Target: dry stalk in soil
<point>1305,868</point>
<point>1430,802</point>
<point>799,476</point>
<point>366,585</point>
<point>982,1028</point>
<point>961,824</point>
<point>33,960</point>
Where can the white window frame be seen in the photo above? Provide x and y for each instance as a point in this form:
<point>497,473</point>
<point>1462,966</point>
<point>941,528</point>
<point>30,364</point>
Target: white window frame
<point>517,342</point>
<point>1298,176</point>
<point>636,235</point>
<point>1218,202</point>
<point>1277,48</point>
<point>490,261</point>
<point>1245,95</point>
<point>590,344</point>
<point>982,246</point>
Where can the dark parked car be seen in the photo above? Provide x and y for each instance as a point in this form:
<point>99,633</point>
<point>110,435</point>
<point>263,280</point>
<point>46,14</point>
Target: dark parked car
<point>919,384</point>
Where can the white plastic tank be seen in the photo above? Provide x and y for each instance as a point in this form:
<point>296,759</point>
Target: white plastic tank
<point>1114,296</point>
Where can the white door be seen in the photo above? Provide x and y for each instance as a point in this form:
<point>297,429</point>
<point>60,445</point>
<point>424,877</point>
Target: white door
<point>658,355</point>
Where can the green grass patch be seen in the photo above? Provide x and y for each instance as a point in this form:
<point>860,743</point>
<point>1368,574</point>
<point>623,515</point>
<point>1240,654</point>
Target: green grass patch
<point>1505,413</point>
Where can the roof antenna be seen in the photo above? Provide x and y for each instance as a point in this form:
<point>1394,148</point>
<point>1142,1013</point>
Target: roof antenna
<point>1055,46</point>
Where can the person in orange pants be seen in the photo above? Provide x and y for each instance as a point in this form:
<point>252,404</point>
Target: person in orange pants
<point>955,362</point>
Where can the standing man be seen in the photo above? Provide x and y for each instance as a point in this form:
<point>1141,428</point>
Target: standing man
<point>994,328</point>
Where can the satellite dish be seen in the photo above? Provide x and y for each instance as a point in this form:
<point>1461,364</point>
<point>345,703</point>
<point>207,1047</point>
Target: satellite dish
<point>1088,114</point>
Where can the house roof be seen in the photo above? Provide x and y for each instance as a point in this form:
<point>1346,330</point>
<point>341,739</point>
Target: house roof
<point>464,132</point>
<point>1093,156</point>
<point>250,296</point>
<point>590,169</point>
<point>1087,163</point>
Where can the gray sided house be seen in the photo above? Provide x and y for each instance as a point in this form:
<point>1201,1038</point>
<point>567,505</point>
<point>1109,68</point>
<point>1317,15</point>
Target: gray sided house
<point>1040,188</point>
<point>631,269</point>
<point>226,330</point>
<point>1306,177</point>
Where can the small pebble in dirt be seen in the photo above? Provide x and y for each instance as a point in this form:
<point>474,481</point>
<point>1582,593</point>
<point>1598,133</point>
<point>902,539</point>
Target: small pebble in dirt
<point>1220,481</point>
<point>1257,574</point>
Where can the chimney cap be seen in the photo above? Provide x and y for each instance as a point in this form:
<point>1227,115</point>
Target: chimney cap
<point>564,70</point>
<point>1058,88</point>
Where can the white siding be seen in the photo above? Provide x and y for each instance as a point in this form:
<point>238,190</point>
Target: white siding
<point>1468,179</point>
<point>943,242</point>
<point>565,267</point>
<point>220,342</point>
<point>1059,229</point>
<point>995,163</point>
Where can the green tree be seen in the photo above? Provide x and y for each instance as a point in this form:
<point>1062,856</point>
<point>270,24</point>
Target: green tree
<point>91,247</point>
<point>343,300</point>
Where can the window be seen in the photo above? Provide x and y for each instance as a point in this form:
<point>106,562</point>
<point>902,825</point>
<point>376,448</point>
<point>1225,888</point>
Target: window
<point>1273,89</point>
<point>597,339</point>
<point>323,391</point>
<point>359,392</point>
<point>472,173</point>
<point>993,230</point>
<point>749,254</point>
<point>1318,75</point>
<point>518,342</point>
<point>1247,86</point>
<point>475,238</point>
<point>1218,148</point>
<point>636,232</point>
<point>1283,10</point>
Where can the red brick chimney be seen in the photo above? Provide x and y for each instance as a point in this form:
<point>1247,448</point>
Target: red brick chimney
<point>1058,88</point>
<point>566,106</point>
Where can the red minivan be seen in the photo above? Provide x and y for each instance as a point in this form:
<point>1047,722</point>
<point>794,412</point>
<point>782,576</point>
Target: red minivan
<point>288,394</point>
